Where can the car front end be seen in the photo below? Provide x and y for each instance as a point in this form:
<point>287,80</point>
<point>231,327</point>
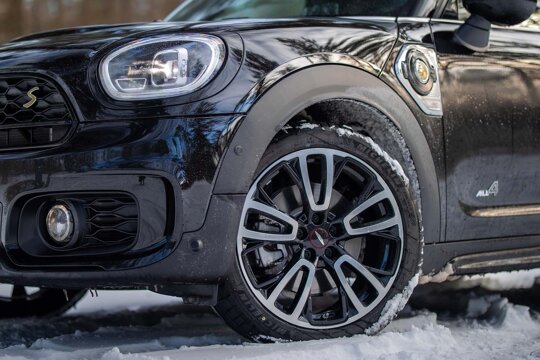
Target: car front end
<point>135,170</point>
<point>101,184</point>
<point>131,157</point>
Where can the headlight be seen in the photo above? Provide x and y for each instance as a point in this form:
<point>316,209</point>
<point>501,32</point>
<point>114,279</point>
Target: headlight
<point>162,67</point>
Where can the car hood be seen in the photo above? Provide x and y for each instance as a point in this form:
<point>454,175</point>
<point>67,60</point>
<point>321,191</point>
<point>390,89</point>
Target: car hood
<point>96,37</point>
<point>71,57</point>
<point>88,37</point>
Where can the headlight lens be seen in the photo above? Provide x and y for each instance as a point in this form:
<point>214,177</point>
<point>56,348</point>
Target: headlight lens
<point>162,67</point>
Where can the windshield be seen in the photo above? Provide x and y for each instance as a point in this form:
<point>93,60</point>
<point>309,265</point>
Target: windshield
<point>210,10</point>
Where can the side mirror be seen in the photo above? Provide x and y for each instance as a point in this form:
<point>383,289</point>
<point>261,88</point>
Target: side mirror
<point>474,33</point>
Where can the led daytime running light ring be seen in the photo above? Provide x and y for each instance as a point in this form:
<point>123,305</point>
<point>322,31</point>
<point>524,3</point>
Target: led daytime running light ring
<point>215,62</point>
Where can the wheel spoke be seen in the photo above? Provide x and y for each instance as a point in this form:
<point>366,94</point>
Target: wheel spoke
<point>269,282</point>
<point>393,221</point>
<point>353,297</point>
<point>347,259</point>
<point>265,195</point>
<point>287,278</point>
<point>348,289</point>
<point>367,190</point>
<point>372,270</point>
<point>300,184</point>
<point>300,305</point>
<point>294,176</point>
<point>326,186</point>
<point>375,199</point>
<point>268,237</point>
<point>251,249</point>
<point>343,285</point>
<point>276,215</point>
<point>339,169</point>
<point>385,224</point>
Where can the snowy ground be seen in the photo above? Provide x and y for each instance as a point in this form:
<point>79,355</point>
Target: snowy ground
<point>143,325</point>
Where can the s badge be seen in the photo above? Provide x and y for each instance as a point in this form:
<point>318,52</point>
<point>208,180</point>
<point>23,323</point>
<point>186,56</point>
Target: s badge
<point>32,98</point>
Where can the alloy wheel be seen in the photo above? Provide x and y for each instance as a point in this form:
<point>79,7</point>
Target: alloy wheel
<point>320,239</point>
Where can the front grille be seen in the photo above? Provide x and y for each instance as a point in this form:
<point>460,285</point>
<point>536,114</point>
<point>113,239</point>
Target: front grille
<point>46,122</point>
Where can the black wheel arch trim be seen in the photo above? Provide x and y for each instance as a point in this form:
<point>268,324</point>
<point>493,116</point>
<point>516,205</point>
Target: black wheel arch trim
<point>312,85</point>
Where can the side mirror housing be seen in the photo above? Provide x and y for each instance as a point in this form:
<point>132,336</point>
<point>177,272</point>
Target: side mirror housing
<point>474,33</point>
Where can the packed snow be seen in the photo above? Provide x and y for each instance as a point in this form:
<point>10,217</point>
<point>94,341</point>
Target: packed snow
<point>140,325</point>
<point>394,306</point>
<point>502,281</point>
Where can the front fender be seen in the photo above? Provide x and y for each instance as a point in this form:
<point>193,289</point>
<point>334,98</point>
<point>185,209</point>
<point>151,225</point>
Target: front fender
<point>301,89</point>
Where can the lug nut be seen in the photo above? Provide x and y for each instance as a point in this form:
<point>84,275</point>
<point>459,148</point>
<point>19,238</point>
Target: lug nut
<point>329,252</point>
<point>309,255</point>
<point>317,219</point>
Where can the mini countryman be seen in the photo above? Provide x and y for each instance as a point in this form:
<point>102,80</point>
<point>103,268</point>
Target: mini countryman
<point>299,165</point>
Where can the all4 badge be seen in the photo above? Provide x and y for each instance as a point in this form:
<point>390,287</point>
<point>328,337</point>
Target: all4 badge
<point>492,191</point>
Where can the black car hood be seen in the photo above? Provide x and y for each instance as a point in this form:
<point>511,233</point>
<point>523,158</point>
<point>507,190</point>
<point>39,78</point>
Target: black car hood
<point>96,37</point>
<point>89,37</point>
<point>71,58</point>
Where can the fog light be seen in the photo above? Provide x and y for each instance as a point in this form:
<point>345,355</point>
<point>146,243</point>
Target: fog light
<point>60,223</point>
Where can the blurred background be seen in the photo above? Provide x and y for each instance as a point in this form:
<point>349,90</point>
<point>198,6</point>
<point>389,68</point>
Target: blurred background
<point>20,17</point>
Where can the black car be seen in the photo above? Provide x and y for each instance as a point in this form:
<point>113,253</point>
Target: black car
<point>299,165</point>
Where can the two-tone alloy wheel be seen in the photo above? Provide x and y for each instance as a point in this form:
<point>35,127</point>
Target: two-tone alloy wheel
<point>321,238</point>
<point>320,243</point>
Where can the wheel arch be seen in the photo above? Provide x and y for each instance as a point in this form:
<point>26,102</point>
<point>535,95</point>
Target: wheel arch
<point>302,89</point>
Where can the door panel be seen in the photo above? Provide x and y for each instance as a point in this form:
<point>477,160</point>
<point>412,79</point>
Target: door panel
<point>492,132</point>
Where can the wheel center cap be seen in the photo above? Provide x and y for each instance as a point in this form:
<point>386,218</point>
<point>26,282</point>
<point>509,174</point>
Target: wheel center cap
<point>319,238</point>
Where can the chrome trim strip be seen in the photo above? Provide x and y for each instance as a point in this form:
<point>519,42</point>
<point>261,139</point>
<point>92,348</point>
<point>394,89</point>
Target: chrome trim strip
<point>502,211</point>
<point>501,262</point>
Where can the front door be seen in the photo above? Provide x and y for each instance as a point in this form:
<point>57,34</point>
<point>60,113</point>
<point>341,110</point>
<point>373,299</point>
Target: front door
<point>491,103</point>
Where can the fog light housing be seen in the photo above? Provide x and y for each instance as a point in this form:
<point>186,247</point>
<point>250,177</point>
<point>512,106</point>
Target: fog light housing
<point>59,224</point>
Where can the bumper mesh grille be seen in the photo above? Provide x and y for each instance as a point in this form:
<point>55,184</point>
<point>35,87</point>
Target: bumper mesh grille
<point>111,221</point>
<point>25,123</point>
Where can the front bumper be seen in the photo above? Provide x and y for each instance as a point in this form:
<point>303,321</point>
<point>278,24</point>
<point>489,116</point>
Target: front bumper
<point>169,165</point>
<point>165,154</point>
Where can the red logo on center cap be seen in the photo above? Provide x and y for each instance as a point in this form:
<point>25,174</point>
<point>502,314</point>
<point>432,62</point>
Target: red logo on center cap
<point>319,238</point>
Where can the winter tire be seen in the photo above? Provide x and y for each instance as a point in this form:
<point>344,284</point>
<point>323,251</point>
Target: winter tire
<point>329,242</point>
